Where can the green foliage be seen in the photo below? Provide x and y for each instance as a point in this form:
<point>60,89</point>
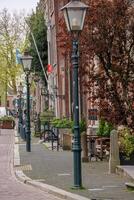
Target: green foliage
<point>126,142</point>
<point>6,118</point>
<point>36,134</point>
<point>107,128</point>
<point>61,123</point>
<point>66,123</point>
<point>46,116</point>
<point>11,37</point>
<point>37,25</point>
<point>83,125</point>
<point>100,130</point>
<point>104,128</point>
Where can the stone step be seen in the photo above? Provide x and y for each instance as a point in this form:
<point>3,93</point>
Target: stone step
<point>130,185</point>
<point>127,171</point>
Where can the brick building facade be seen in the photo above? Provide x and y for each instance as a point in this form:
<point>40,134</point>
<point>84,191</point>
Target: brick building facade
<point>59,56</point>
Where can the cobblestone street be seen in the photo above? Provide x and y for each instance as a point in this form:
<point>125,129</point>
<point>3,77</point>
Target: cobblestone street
<point>10,187</point>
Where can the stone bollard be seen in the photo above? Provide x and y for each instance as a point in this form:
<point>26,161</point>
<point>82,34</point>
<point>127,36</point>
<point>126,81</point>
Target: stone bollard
<point>85,157</point>
<point>114,152</point>
<point>67,141</point>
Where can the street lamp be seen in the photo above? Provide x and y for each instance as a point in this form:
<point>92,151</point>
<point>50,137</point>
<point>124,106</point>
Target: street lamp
<point>26,63</point>
<point>74,13</point>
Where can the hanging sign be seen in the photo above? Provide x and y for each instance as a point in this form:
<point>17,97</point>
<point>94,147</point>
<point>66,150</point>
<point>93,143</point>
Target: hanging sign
<point>92,114</point>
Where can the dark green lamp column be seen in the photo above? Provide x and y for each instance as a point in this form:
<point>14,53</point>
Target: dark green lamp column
<point>77,142</point>
<point>26,62</point>
<point>28,124</point>
<point>74,13</point>
<point>20,91</point>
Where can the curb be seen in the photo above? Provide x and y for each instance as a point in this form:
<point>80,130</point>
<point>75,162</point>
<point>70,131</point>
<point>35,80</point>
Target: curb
<point>130,185</point>
<point>45,187</point>
<point>16,152</point>
<point>56,191</point>
<point>125,171</point>
<point>21,176</point>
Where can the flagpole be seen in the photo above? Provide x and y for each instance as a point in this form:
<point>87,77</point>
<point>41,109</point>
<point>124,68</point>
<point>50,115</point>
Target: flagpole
<point>39,56</point>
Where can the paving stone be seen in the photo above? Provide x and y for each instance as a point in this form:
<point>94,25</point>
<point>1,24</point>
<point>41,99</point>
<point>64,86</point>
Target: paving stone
<point>47,165</point>
<point>10,187</point>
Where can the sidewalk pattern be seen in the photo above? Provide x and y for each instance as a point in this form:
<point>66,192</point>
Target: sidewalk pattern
<point>43,166</point>
<point>10,187</point>
<point>55,168</point>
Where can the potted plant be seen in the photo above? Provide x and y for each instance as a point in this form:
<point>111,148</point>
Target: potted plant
<point>126,146</point>
<point>64,125</point>
<point>104,128</point>
<point>66,130</point>
<point>45,119</point>
<point>46,116</point>
<point>61,123</point>
<point>7,122</point>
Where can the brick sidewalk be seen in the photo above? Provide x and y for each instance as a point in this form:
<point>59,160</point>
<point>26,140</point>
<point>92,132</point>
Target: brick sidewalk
<point>10,187</point>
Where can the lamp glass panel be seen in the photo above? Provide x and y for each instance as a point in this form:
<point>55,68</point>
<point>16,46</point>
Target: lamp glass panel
<point>66,19</point>
<point>76,18</point>
<point>20,88</point>
<point>27,64</point>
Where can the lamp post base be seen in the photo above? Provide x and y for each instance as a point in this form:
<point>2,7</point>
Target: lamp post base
<point>78,187</point>
<point>28,146</point>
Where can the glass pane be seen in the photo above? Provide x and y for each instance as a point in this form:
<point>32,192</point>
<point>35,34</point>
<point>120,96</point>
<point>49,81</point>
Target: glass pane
<point>66,19</point>
<point>76,18</point>
<point>27,64</point>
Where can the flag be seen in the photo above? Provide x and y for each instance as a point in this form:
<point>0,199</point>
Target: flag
<point>49,68</point>
<point>18,57</point>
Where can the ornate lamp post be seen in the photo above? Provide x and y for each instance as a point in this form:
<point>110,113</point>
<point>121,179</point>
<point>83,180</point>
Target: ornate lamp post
<point>26,63</point>
<point>74,13</point>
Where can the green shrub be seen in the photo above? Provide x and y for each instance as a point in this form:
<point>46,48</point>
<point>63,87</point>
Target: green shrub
<point>82,125</point>
<point>6,118</point>
<point>61,123</point>
<point>104,128</point>
<point>36,134</point>
<point>126,141</point>
<point>66,123</point>
<point>46,116</point>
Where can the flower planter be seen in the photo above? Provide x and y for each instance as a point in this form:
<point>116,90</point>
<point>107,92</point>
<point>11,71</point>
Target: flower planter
<point>65,138</point>
<point>85,157</point>
<point>67,141</point>
<point>7,124</point>
<point>1,124</point>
